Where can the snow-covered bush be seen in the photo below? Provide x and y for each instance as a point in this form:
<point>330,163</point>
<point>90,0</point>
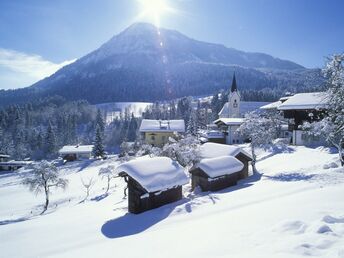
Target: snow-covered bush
<point>44,176</point>
<point>332,126</point>
<point>260,130</point>
<point>185,150</point>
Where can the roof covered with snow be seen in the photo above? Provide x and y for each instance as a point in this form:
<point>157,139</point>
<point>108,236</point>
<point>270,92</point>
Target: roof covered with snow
<point>220,166</point>
<point>225,110</point>
<point>155,174</point>
<point>305,101</point>
<point>78,149</point>
<point>230,121</point>
<point>148,125</point>
<point>273,105</point>
<point>214,150</point>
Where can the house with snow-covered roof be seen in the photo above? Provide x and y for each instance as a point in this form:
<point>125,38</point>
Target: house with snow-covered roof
<point>75,152</point>
<point>157,132</point>
<point>152,182</point>
<point>211,150</point>
<point>304,107</point>
<point>213,174</point>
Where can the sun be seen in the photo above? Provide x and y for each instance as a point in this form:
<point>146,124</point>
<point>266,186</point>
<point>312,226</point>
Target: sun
<point>153,10</point>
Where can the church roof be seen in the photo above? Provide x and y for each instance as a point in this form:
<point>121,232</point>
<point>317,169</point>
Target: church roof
<point>234,84</point>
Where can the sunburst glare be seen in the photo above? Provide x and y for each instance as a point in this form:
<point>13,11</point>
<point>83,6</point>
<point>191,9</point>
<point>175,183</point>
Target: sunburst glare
<point>154,10</point>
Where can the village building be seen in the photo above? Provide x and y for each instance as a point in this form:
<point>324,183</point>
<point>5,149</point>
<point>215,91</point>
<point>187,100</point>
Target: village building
<point>215,174</point>
<point>213,150</point>
<point>229,127</point>
<point>229,118</point>
<point>300,108</point>
<point>10,165</point>
<point>4,157</point>
<point>76,152</point>
<point>157,132</point>
<point>152,182</point>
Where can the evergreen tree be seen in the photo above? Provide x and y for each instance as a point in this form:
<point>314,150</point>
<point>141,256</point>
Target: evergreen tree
<point>51,144</point>
<point>100,121</point>
<point>192,125</point>
<point>98,149</point>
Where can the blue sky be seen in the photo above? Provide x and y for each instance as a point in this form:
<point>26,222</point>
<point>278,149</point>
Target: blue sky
<point>39,36</point>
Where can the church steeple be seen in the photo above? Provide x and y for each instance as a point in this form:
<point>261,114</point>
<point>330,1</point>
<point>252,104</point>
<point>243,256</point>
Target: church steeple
<point>234,84</point>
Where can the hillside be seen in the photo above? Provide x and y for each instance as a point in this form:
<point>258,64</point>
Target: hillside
<point>146,64</point>
<point>292,208</point>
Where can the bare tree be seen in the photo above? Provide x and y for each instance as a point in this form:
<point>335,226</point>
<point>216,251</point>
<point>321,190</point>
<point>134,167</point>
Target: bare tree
<point>88,185</point>
<point>44,176</point>
<point>108,174</point>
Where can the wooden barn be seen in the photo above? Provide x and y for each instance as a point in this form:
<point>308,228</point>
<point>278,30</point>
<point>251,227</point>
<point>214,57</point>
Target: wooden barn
<point>152,182</point>
<point>216,173</point>
<point>76,152</point>
<point>214,150</point>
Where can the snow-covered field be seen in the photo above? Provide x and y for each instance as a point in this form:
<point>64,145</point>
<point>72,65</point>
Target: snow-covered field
<point>294,207</point>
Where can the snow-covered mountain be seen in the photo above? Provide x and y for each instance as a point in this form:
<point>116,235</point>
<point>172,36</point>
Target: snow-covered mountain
<point>144,63</point>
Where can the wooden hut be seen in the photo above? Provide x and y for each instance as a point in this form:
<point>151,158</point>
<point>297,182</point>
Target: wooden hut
<point>216,173</point>
<point>152,182</point>
<point>214,150</point>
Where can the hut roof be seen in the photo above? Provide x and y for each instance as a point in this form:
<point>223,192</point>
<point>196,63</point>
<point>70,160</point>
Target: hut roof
<point>305,101</point>
<point>148,125</point>
<point>213,150</point>
<point>155,174</point>
<point>220,166</point>
<point>71,149</point>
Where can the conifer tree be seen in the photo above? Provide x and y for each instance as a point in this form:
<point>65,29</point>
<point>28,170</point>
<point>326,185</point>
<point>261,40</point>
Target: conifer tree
<point>51,144</point>
<point>98,149</point>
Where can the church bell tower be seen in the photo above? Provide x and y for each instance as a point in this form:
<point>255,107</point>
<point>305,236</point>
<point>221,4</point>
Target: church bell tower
<point>234,100</point>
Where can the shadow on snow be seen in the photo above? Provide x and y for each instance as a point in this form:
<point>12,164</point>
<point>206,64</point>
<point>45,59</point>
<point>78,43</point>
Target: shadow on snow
<point>131,224</point>
<point>290,177</point>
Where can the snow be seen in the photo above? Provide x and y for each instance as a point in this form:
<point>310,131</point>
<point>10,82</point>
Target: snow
<point>245,107</point>
<point>214,150</point>
<point>155,174</point>
<point>148,125</point>
<point>273,105</point>
<point>301,101</point>
<point>79,149</point>
<point>230,121</point>
<point>136,108</point>
<point>282,211</point>
<point>225,165</point>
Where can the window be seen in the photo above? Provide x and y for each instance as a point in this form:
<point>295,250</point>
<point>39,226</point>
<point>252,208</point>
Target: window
<point>235,104</point>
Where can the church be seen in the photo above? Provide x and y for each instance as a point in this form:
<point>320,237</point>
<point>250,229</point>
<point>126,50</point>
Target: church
<point>229,117</point>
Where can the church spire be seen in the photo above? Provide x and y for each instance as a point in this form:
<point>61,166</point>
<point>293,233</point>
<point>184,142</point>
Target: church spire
<point>234,84</point>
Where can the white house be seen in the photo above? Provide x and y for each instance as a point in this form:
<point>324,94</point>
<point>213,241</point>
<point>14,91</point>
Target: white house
<point>75,152</point>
